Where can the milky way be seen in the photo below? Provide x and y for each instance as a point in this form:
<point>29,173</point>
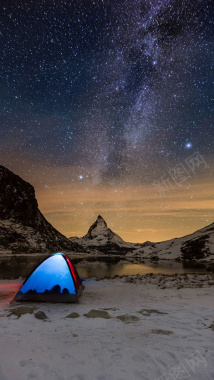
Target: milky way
<point>121,89</point>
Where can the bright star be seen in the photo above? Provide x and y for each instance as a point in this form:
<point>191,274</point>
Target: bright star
<point>188,145</point>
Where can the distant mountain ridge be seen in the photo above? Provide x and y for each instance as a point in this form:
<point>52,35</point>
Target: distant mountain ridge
<point>23,228</point>
<point>196,246</point>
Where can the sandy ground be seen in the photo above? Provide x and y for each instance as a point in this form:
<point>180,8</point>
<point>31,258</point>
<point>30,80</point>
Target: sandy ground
<point>151,327</point>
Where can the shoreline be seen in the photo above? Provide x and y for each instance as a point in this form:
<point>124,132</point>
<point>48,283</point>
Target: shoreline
<point>96,255</point>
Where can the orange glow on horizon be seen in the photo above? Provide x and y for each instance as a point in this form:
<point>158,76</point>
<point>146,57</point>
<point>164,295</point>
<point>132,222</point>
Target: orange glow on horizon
<point>135,213</point>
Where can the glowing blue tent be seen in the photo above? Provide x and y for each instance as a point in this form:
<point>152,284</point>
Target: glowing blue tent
<point>54,280</point>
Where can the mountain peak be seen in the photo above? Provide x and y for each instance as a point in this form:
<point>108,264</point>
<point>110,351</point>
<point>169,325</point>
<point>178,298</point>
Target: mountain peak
<point>101,237</point>
<point>99,226</point>
<point>100,219</point>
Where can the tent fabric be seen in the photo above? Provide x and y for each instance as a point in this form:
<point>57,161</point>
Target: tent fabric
<point>54,280</point>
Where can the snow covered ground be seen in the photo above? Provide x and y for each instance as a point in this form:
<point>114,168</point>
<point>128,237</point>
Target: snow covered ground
<point>152,327</point>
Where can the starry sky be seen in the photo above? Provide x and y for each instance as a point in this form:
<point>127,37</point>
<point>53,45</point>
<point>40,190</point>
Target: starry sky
<point>106,107</point>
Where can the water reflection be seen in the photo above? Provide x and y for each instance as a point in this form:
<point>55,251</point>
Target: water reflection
<point>102,269</point>
<point>21,266</point>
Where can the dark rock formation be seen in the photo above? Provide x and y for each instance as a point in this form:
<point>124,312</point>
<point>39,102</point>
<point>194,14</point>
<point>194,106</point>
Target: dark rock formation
<point>23,228</point>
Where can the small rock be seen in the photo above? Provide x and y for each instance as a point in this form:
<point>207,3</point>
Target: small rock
<point>73,315</point>
<point>97,314</point>
<point>40,315</point>
<point>212,326</point>
<point>128,318</point>
<point>19,311</point>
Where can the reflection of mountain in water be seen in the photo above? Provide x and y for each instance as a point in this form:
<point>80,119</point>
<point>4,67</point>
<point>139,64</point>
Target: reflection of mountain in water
<point>100,268</point>
<point>18,266</point>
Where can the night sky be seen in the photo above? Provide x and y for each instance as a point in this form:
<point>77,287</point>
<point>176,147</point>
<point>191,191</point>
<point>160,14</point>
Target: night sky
<point>106,107</point>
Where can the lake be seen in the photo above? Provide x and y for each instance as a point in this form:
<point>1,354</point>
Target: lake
<point>13,267</point>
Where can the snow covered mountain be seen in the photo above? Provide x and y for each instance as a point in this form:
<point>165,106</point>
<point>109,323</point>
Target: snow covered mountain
<point>196,246</point>
<point>23,228</point>
<point>103,239</point>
